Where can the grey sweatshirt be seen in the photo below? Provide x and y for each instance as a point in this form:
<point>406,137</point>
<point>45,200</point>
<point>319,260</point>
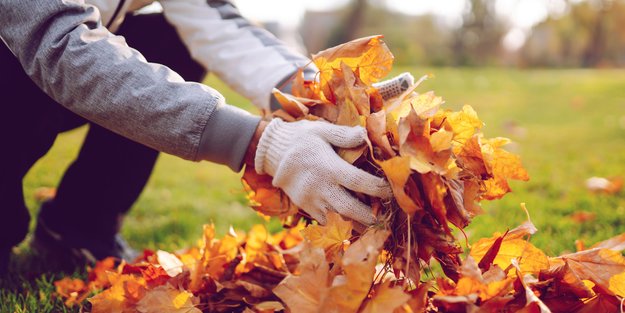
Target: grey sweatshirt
<point>66,51</point>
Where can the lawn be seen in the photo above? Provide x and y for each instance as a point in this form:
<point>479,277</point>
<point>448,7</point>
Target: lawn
<point>567,125</point>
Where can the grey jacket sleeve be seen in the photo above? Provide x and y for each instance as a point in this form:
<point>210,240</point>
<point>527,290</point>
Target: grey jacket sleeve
<point>63,47</point>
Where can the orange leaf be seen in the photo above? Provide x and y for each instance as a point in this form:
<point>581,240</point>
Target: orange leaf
<point>369,55</point>
<point>397,171</point>
<point>168,299</point>
<point>333,237</point>
<point>386,298</point>
<point>306,292</point>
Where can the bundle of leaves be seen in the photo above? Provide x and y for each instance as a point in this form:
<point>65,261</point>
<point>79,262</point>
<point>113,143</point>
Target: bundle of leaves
<point>326,269</point>
<point>437,161</point>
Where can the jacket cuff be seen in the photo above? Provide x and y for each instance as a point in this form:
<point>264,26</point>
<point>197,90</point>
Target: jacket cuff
<point>227,135</point>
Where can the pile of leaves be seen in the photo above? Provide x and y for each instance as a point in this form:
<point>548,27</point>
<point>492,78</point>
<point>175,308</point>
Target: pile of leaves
<point>437,161</point>
<point>329,269</point>
<point>439,166</point>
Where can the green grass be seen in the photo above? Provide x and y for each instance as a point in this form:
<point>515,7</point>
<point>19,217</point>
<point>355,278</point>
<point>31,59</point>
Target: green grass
<point>574,122</point>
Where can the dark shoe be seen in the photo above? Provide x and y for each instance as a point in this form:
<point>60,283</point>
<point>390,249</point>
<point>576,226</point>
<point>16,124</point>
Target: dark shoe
<point>73,250</point>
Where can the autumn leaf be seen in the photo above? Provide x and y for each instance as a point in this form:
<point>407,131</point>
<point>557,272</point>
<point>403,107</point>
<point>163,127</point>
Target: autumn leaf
<point>349,290</point>
<point>305,292</point>
<point>169,262</point>
<point>385,299</point>
<point>369,55</point>
<point>115,298</point>
<point>168,299</point>
<point>597,265</point>
<point>332,238</point>
<point>397,171</point>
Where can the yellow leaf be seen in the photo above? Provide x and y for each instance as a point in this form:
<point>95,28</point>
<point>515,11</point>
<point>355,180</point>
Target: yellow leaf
<point>531,259</point>
<point>617,284</point>
<point>369,55</point>
<point>463,123</point>
<point>332,237</point>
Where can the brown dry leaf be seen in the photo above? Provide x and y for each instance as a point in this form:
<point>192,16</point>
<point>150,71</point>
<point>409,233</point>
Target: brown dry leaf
<point>415,141</point>
<point>616,243</point>
<point>533,304</point>
<point>377,131</point>
<point>166,298</point>
<point>565,282</point>
<point>290,104</point>
<point>397,171</point>
<point>332,238</point>
<point>597,265</point>
<point>386,298</point>
<point>435,192</point>
<point>349,290</point>
<point>369,55</point>
<point>306,292</point>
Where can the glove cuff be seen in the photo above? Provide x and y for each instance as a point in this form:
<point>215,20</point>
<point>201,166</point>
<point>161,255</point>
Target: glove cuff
<point>272,145</point>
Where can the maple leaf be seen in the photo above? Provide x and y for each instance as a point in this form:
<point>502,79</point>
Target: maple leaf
<point>512,246</point>
<point>333,237</point>
<point>385,299</point>
<point>166,298</point>
<point>349,290</point>
<point>305,292</point>
<point>117,298</point>
<point>424,105</point>
<point>504,165</point>
<point>369,55</point>
<point>397,171</point>
<point>597,265</point>
<point>463,124</point>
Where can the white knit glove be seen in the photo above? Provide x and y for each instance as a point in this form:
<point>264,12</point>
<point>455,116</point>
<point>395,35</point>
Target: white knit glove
<point>300,157</point>
<point>395,86</point>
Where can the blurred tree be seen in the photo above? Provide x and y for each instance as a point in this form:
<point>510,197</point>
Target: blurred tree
<point>591,34</point>
<point>478,40</point>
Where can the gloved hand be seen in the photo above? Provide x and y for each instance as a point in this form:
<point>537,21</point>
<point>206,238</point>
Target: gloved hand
<point>300,157</point>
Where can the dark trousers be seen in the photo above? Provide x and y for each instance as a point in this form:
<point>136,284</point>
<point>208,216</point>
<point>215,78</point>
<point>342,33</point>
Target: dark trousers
<point>110,172</point>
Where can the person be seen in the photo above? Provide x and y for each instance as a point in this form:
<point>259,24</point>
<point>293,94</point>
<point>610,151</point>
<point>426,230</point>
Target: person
<point>62,68</point>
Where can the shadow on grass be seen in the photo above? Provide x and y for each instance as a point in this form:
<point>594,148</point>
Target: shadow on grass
<point>28,286</point>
